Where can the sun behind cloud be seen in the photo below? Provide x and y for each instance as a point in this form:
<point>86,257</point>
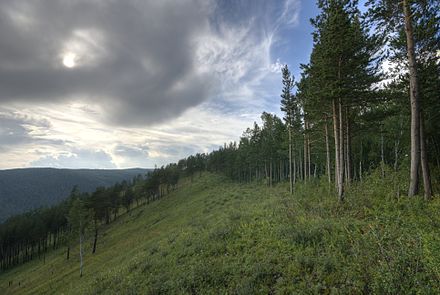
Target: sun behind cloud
<point>69,60</point>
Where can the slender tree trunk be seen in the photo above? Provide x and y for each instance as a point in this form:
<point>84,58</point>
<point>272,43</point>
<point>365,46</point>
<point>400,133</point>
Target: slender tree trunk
<point>294,169</point>
<point>415,102</point>
<point>382,156</point>
<point>290,161</point>
<point>348,147</point>
<point>341,153</point>
<point>437,152</point>
<point>81,253</point>
<point>336,135</point>
<point>95,240</point>
<point>301,171</point>
<point>68,252</point>
<point>270,173</point>
<point>360,162</point>
<point>327,151</point>
<point>305,151</point>
<point>309,148</point>
<point>424,161</point>
<point>280,178</point>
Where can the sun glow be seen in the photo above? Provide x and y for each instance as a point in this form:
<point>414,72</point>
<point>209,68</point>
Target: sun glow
<point>69,60</point>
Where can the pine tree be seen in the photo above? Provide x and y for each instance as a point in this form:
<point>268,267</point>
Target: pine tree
<point>393,17</point>
<point>288,106</point>
<point>340,74</point>
<point>78,220</point>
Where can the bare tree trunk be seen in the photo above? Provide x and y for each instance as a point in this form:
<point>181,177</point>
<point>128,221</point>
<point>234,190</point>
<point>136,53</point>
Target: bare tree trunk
<point>301,171</point>
<point>95,241</point>
<point>309,148</point>
<point>294,169</point>
<point>360,162</point>
<point>382,156</point>
<point>270,173</point>
<point>396,154</point>
<point>415,102</point>
<point>397,145</point>
<point>266,174</point>
<point>305,151</point>
<point>290,161</point>
<point>327,151</point>
<point>341,154</point>
<point>81,253</point>
<point>280,178</point>
<point>437,152</point>
<point>424,161</point>
<point>336,135</point>
<point>348,147</point>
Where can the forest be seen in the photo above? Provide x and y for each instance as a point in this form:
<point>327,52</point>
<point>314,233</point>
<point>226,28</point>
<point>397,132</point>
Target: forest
<point>368,100</point>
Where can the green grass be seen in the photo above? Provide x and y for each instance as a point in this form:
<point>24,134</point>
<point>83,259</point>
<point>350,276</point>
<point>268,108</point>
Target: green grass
<point>220,237</point>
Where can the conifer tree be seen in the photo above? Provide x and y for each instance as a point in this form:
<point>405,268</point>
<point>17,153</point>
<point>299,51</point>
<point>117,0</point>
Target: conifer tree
<point>288,106</point>
<point>395,17</point>
<point>78,220</point>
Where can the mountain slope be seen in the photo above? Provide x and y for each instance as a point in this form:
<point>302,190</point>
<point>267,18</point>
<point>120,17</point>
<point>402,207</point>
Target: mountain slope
<point>218,237</point>
<point>30,188</point>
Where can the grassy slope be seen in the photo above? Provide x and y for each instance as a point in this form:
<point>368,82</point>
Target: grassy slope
<point>218,237</point>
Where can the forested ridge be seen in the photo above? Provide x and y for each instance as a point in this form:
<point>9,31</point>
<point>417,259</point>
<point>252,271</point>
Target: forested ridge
<point>29,188</point>
<point>348,126</point>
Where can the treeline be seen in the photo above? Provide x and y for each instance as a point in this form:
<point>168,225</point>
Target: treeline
<point>31,235</point>
<point>346,115</point>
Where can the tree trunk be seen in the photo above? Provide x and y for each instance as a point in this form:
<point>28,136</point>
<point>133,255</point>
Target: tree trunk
<point>290,161</point>
<point>437,152</point>
<point>382,156</point>
<point>327,151</point>
<point>301,171</point>
<point>336,135</point>
<point>305,151</point>
<point>415,102</point>
<point>270,173</point>
<point>309,148</point>
<point>348,146</point>
<point>341,154</point>
<point>360,162</point>
<point>424,161</point>
<point>294,169</point>
<point>95,240</point>
<point>80,253</point>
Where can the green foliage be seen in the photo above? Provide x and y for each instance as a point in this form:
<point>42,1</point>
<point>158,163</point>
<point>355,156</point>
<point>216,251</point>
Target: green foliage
<point>22,190</point>
<point>215,236</point>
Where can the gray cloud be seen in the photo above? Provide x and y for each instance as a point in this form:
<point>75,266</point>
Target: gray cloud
<point>78,158</point>
<point>18,130</point>
<point>133,58</point>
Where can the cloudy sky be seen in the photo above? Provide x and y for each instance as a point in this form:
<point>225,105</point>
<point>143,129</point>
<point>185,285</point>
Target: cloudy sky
<point>138,83</point>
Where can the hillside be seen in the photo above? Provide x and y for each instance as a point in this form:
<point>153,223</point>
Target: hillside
<point>30,188</point>
<point>219,237</point>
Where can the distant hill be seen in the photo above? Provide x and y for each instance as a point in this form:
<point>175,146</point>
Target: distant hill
<point>29,188</point>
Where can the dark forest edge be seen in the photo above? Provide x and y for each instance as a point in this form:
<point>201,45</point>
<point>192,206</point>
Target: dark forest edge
<point>345,120</point>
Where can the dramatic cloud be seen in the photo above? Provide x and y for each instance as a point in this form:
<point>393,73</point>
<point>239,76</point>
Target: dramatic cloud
<point>104,84</point>
<point>134,58</point>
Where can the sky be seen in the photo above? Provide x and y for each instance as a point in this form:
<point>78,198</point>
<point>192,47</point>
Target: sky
<point>121,84</point>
